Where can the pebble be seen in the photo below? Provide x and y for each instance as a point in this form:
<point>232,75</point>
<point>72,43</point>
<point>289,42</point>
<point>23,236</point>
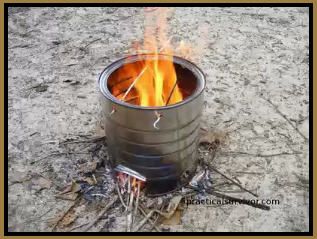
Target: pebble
<point>258,129</point>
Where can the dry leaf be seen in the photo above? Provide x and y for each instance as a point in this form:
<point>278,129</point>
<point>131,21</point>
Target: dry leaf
<point>88,167</point>
<point>68,196</point>
<point>41,182</point>
<point>90,181</point>
<point>67,189</point>
<point>70,192</point>
<point>53,221</point>
<point>19,177</point>
<point>175,219</point>
<point>172,206</point>
<point>75,187</point>
<point>69,218</point>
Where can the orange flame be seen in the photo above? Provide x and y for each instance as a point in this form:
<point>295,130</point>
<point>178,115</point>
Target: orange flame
<point>152,82</point>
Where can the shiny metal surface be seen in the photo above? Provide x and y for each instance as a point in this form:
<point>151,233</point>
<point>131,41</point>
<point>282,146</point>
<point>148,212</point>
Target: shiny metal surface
<point>166,154</point>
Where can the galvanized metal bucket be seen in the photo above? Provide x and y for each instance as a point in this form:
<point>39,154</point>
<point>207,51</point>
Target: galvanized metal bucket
<point>158,142</point>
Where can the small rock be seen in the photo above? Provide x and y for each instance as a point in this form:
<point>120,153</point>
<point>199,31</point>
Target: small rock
<point>258,129</point>
<point>75,83</point>
<point>56,43</point>
<point>41,88</point>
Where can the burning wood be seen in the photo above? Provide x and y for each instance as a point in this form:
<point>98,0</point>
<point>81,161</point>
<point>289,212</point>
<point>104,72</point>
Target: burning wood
<point>133,83</point>
<point>130,183</point>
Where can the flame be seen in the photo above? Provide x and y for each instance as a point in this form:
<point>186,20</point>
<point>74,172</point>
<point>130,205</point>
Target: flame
<point>151,81</point>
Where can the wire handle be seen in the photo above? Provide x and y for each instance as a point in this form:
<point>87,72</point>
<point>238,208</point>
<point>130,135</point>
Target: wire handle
<point>158,118</point>
<point>113,111</point>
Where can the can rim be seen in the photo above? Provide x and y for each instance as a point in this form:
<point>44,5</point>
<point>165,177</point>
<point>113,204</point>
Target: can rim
<point>104,76</point>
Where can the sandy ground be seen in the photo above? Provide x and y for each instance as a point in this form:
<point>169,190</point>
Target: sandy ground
<point>256,64</point>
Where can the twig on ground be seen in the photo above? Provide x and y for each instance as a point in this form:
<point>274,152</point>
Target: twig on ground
<point>79,226</point>
<point>57,154</point>
<point>37,218</point>
<point>88,44</point>
<point>130,212</point>
<point>222,184</point>
<point>65,213</point>
<point>136,200</point>
<point>229,191</point>
<point>213,155</point>
<point>146,218</point>
<point>231,180</point>
<point>173,204</point>
<point>259,155</point>
<point>245,172</point>
<point>91,140</point>
<point>156,219</point>
<point>141,209</point>
<point>104,210</point>
<point>120,196</point>
<point>284,117</point>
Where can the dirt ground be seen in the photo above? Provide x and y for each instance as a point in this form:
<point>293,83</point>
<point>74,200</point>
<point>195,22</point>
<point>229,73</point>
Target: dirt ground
<point>256,65</point>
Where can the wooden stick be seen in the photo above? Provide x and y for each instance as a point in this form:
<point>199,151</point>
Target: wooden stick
<point>231,180</point>
<point>68,210</point>
<point>130,212</point>
<point>133,83</point>
<point>146,218</point>
<point>100,215</point>
<point>137,198</point>
<point>170,95</point>
<point>91,140</point>
<point>285,118</point>
<point>120,196</point>
<point>150,220</point>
